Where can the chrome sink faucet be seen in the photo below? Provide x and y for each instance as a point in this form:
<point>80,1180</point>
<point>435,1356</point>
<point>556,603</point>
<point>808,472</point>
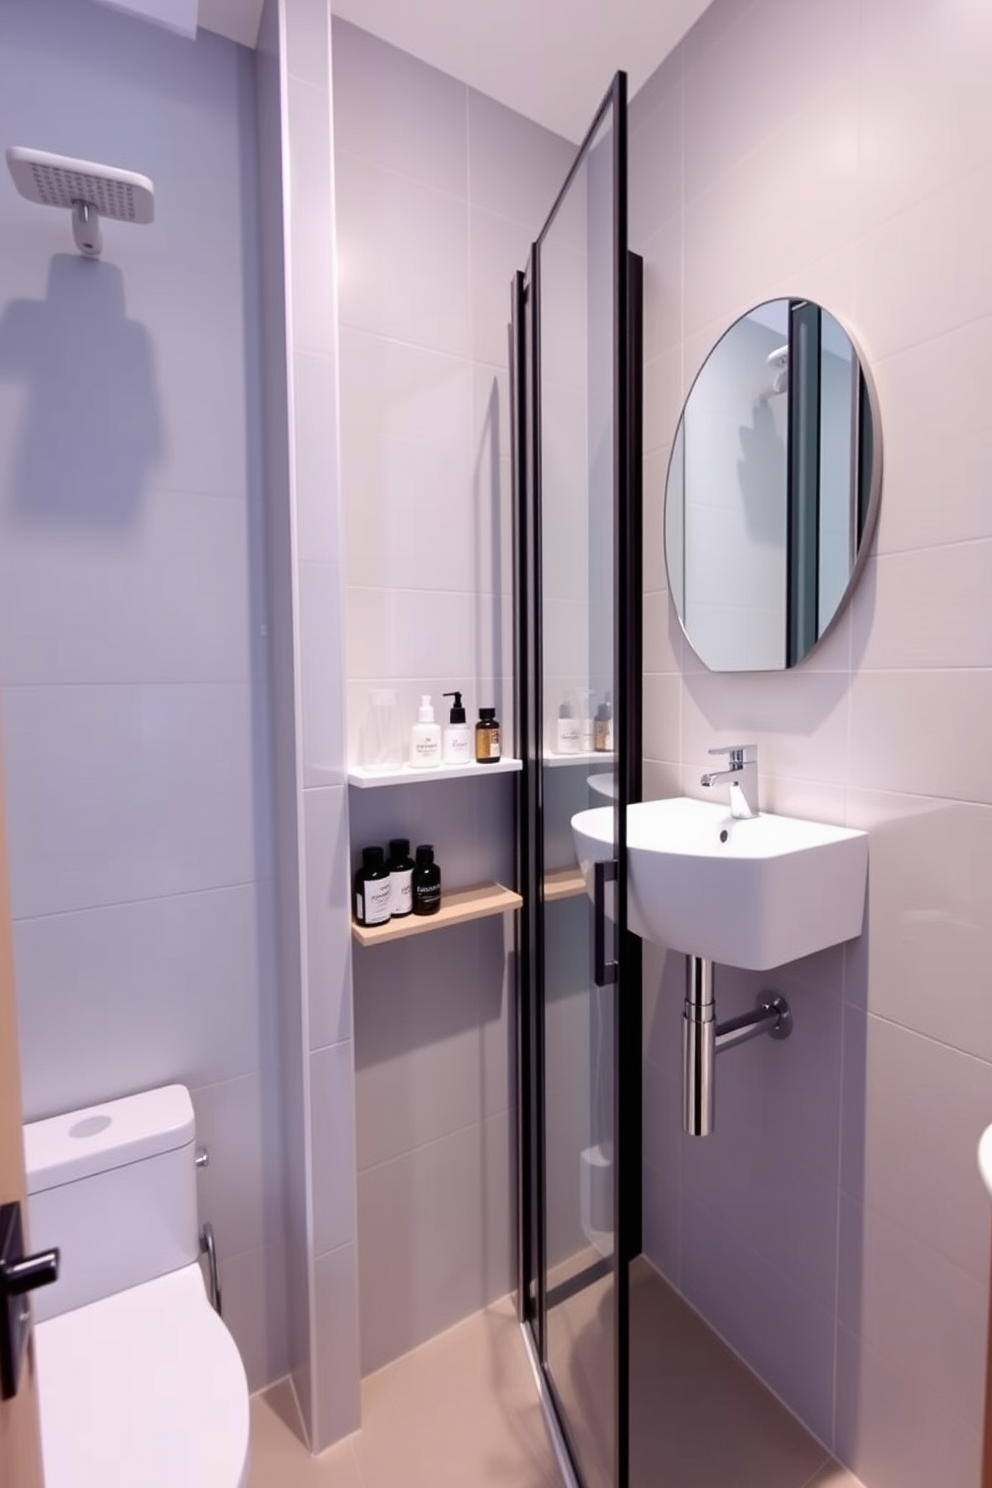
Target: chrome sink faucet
<point>742,773</point>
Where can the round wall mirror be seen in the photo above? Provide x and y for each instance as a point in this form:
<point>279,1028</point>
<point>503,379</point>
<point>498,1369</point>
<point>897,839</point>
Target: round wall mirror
<point>773,488</point>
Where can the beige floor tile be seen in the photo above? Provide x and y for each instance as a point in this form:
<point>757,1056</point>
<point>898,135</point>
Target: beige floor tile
<point>460,1412</point>
<point>279,1458</point>
<point>699,1417</point>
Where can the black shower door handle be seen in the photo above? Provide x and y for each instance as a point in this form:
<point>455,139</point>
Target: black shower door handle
<point>604,972</point>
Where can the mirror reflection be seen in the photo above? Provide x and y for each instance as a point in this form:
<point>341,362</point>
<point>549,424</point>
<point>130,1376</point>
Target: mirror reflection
<point>773,488</point>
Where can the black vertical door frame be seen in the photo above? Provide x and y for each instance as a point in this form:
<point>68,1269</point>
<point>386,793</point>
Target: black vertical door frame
<point>627,580</point>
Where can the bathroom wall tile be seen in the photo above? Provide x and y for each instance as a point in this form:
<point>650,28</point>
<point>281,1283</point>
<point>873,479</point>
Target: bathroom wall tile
<point>713,25</point>
<point>662,636</point>
<point>798,719</point>
<point>913,51</point>
<point>315,445</point>
<point>915,1310</point>
<point>946,757</point>
<point>770,90</point>
<point>122,793</point>
<point>887,1428</point>
<point>738,1290</point>
<point>929,868</point>
<point>662,399</point>
<point>405,634</point>
<point>308,42</point>
<point>239,1190</point>
<point>912,248</point>
<point>736,240</point>
<point>403,258</point>
<point>446,1206</point>
<point>664,309</point>
<point>787,1095</point>
<point>499,247</point>
<point>328,917</point>
<point>516,168</point>
<point>394,111</point>
<point>410,521</point>
<point>143,994</point>
<point>253,1288</point>
<point>184,562</point>
<point>320,677</point>
<point>926,608</point>
<point>662,715</point>
<point>311,206</point>
<point>491,439</point>
<point>655,150</point>
<point>778,1205</point>
<point>395,392</point>
<point>655,478</point>
<point>910,1095</point>
<point>338,1405</point>
<point>433,1057</point>
<point>917,409</point>
<point>332,1138</point>
<point>661,1224</point>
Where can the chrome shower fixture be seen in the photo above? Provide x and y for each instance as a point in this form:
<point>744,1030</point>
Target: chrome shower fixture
<point>89,191</point>
<point>778,360</point>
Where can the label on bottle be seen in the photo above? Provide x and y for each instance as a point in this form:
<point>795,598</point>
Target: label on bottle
<point>568,736</point>
<point>458,745</point>
<point>425,745</point>
<point>400,892</point>
<point>487,742</point>
<point>358,907</point>
<point>427,897</point>
<point>378,900</point>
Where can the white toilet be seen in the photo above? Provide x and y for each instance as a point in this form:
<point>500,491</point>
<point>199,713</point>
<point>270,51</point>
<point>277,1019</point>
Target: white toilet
<point>140,1383</point>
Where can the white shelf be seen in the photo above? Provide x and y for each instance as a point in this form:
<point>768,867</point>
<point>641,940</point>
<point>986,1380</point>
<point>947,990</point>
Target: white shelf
<point>363,777</point>
<point>588,757</point>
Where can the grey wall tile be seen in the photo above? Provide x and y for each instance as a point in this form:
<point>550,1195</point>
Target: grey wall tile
<point>332,1141</point>
<point>516,168</point>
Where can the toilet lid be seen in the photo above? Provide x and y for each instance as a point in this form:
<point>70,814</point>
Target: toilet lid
<point>146,1388</point>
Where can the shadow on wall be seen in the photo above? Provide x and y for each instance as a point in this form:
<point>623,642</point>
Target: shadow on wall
<point>91,428</point>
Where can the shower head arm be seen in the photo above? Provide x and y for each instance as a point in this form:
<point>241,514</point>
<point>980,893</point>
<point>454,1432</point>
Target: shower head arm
<point>86,232</point>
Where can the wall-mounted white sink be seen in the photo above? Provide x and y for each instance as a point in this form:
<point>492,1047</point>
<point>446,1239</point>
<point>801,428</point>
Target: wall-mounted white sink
<point>755,893</point>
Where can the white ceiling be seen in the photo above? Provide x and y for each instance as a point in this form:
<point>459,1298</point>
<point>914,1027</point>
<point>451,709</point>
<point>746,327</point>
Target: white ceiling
<point>549,59</point>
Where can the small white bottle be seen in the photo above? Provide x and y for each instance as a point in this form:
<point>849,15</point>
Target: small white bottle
<point>457,734</point>
<point>568,729</point>
<point>425,737</point>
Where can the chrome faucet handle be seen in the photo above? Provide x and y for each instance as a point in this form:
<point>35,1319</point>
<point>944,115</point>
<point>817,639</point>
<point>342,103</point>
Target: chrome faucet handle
<point>740,754</point>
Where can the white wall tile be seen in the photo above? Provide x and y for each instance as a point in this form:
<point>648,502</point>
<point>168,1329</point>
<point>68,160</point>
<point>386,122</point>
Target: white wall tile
<point>336,1311</point>
<point>308,42</point>
<point>142,994</point>
<point>914,1309</point>
<point>910,1096</point>
<point>445,1207</point>
<point>322,695</point>
<point>332,1138</point>
<point>395,111</point>
<point>403,258</point>
<point>178,572</point>
<point>329,912</point>
<point>119,793</point>
<point>313,312</point>
<point>315,393</point>
<point>253,1287</point>
<point>516,168</point>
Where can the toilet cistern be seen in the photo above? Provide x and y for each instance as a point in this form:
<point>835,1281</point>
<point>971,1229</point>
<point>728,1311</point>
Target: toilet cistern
<point>742,773</point>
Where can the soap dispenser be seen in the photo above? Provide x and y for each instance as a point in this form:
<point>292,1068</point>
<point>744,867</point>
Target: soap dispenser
<point>457,734</point>
<point>425,737</point>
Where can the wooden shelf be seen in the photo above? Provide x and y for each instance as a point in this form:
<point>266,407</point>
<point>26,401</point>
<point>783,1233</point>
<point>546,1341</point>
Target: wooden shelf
<point>563,883</point>
<point>363,777</point>
<point>457,907</point>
